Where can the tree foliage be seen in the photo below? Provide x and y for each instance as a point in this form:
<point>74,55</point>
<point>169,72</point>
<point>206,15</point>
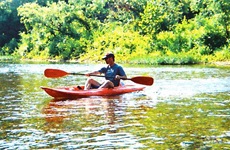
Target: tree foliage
<point>53,30</point>
<point>133,29</point>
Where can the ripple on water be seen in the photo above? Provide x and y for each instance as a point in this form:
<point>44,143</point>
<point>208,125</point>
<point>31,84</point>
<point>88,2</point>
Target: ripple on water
<point>30,120</point>
<point>108,141</point>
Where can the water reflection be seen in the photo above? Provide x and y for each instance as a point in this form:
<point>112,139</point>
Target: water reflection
<point>91,122</point>
<point>106,109</point>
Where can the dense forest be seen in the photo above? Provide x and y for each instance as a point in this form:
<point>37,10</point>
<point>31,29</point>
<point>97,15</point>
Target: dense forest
<point>137,31</point>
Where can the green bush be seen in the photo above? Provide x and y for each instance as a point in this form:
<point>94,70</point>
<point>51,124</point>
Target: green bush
<point>122,41</point>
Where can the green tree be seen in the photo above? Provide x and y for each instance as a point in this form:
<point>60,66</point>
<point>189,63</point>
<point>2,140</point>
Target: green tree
<point>218,13</point>
<point>56,30</point>
<point>173,23</point>
<point>10,25</point>
<point>160,15</point>
<point>8,22</point>
<point>132,28</point>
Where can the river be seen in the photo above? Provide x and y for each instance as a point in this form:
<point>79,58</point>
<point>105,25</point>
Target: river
<point>188,107</point>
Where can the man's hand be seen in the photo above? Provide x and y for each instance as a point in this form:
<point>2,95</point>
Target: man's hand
<point>117,77</point>
<point>92,73</point>
<point>88,74</point>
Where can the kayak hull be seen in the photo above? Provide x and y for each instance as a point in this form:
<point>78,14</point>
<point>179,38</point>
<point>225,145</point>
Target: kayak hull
<point>75,92</point>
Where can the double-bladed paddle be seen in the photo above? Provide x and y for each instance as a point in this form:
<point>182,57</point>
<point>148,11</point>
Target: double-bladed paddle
<point>56,73</point>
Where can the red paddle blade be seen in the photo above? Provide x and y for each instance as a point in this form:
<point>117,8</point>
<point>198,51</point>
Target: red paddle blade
<point>54,73</point>
<point>143,80</point>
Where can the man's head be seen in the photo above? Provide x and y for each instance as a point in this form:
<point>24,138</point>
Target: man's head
<point>109,55</point>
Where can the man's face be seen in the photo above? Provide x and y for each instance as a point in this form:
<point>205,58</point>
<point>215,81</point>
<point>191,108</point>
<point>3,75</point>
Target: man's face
<point>108,60</point>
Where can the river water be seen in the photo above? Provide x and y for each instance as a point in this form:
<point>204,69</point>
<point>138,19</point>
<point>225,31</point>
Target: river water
<point>188,107</point>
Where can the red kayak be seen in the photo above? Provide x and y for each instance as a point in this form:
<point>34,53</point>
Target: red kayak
<point>74,92</point>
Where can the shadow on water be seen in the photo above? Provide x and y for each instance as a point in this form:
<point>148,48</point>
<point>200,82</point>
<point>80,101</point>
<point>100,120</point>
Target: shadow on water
<point>186,108</point>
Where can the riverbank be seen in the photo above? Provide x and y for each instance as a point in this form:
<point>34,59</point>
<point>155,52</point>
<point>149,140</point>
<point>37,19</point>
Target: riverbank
<point>16,59</point>
<point>219,63</point>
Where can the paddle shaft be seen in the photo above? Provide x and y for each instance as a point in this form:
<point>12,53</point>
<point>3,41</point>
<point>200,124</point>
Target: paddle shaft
<point>56,73</point>
<point>97,76</point>
<point>139,79</point>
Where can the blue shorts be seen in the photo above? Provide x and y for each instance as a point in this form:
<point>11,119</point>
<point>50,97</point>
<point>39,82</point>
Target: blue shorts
<point>94,86</point>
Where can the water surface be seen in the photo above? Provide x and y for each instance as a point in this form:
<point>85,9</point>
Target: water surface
<point>188,107</point>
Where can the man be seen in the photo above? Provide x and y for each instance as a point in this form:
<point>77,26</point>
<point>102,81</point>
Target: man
<point>113,73</point>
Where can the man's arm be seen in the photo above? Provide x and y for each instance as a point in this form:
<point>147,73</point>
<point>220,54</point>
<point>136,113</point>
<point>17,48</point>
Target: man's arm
<point>93,73</point>
<point>121,75</point>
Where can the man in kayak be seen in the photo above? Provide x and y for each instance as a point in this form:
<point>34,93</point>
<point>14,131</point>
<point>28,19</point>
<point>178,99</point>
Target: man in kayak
<point>113,73</point>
